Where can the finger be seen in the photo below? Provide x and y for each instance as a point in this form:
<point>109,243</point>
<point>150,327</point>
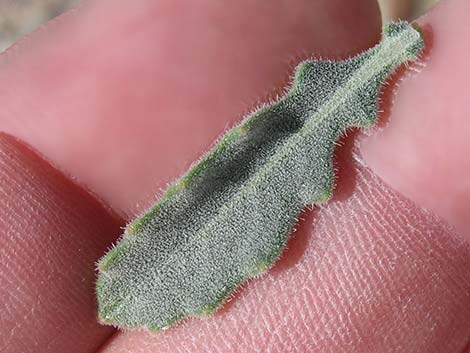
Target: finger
<point>373,274</point>
<point>103,120</point>
<point>423,151</point>
<point>124,99</point>
<point>51,233</point>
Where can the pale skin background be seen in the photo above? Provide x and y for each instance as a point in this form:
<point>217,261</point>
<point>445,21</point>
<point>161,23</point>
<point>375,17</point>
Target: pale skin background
<point>122,99</point>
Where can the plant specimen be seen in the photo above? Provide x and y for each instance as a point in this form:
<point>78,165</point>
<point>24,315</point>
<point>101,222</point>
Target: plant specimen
<point>229,217</point>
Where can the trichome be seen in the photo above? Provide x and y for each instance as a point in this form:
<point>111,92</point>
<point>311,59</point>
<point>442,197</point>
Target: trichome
<point>229,217</point>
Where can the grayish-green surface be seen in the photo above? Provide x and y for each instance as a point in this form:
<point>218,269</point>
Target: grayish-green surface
<point>229,217</point>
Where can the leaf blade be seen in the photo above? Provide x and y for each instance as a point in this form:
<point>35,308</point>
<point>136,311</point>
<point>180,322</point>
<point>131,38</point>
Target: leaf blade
<point>229,217</point>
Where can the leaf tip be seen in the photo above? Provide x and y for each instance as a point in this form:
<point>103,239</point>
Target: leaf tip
<point>414,34</point>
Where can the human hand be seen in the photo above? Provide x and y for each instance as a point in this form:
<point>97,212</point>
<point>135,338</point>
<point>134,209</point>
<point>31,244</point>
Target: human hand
<point>123,98</point>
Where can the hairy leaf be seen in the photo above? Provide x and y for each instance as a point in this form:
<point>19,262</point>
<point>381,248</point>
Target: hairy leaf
<point>228,218</point>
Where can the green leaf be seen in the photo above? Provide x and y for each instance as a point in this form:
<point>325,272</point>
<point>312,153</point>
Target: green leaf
<point>230,216</point>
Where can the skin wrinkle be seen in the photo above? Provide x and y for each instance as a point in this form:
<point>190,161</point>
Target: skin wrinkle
<point>121,304</point>
<point>395,339</point>
<point>291,30</point>
<point>219,334</point>
<point>380,222</point>
<point>48,243</point>
<point>413,257</point>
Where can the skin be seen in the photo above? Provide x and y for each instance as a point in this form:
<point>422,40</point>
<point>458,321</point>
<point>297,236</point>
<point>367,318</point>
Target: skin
<point>122,98</point>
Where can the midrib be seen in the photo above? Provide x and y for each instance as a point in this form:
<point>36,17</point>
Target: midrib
<point>390,52</point>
